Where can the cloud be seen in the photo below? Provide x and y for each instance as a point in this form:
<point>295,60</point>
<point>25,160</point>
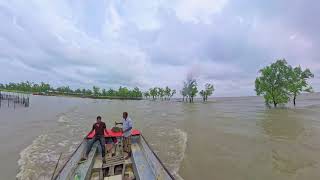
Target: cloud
<point>155,43</point>
<point>198,11</point>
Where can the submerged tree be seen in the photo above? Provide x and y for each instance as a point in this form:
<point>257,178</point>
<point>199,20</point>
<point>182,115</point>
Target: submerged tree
<point>207,92</point>
<point>167,93</point>
<point>173,92</point>
<point>203,95</point>
<point>146,94</point>
<point>161,93</point>
<point>191,87</point>
<point>135,92</point>
<point>184,91</point>
<point>153,92</point>
<point>273,82</point>
<point>298,82</point>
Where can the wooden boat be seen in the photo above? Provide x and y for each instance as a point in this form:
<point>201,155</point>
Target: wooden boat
<point>144,164</point>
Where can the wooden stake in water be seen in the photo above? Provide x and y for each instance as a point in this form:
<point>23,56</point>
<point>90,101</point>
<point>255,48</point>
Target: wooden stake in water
<point>54,172</point>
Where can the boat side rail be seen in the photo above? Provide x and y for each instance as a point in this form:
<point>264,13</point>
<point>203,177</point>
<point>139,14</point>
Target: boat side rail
<point>70,157</point>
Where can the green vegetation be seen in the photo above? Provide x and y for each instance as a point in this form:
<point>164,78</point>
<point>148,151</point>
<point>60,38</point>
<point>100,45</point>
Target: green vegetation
<point>184,92</point>
<point>189,89</point>
<point>96,92</point>
<point>26,87</point>
<point>298,82</point>
<point>279,81</point>
<point>192,89</point>
<point>160,93</point>
<point>206,92</point>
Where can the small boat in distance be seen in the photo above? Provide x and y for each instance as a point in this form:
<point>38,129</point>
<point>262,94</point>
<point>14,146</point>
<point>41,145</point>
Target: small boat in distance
<point>144,164</point>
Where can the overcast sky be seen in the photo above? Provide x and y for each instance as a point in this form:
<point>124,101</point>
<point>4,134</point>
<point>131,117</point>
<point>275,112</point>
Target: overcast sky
<point>148,43</point>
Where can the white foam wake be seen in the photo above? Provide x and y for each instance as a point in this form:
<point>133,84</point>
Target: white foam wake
<point>171,145</point>
<point>32,157</point>
<point>181,146</point>
<point>63,119</point>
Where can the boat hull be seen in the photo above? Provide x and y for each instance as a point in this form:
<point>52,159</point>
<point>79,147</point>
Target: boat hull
<point>145,163</point>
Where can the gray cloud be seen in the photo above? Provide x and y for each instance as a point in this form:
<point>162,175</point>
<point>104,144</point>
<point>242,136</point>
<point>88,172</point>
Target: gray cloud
<point>155,43</point>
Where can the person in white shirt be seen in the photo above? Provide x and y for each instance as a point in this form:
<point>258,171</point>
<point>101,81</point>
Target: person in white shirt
<point>126,130</point>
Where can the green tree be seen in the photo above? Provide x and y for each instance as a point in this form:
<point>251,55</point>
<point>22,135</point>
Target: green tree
<point>298,82</point>
<point>153,92</point>
<point>203,95</point>
<point>62,89</point>
<point>192,88</point>
<point>161,93</point>
<point>146,94</point>
<point>96,90</point>
<point>136,92</point>
<point>273,82</point>
<point>104,92</point>
<point>111,92</point>
<point>78,91</point>
<point>208,90</point>
<point>167,93</point>
<point>83,91</point>
<point>88,92</point>
<point>184,91</point>
<point>123,92</point>
<point>173,92</point>
<point>35,87</point>
<point>43,87</point>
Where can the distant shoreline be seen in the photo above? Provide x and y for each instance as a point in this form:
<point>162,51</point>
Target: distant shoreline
<point>116,97</point>
<point>72,95</point>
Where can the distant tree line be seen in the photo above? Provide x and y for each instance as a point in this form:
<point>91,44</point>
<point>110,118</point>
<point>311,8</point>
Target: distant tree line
<point>280,82</point>
<point>160,93</point>
<point>26,87</point>
<point>44,88</point>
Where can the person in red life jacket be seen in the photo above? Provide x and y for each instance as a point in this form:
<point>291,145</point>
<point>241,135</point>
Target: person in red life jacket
<point>99,127</point>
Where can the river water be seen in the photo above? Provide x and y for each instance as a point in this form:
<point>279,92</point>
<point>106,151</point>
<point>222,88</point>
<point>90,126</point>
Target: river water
<point>226,138</point>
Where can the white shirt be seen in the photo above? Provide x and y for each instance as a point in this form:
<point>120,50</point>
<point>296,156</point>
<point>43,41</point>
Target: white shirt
<point>127,123</point>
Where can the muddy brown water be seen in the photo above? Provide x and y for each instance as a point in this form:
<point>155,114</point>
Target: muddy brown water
<point>226,138</point>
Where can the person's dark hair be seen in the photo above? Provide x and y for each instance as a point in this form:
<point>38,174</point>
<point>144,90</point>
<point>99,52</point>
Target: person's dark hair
<point>99,117</point>
<point>125,113</point>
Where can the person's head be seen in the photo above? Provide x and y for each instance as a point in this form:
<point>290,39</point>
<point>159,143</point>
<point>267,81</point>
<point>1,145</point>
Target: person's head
<point>124,115</point>
<point>99,119</point>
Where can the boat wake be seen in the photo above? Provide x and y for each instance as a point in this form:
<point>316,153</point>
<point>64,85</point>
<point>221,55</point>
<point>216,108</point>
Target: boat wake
<point>173,152</point>
<point>63,119</point>
<point>34,155</point>
<point>38,160</point>
<point>181,146</point>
